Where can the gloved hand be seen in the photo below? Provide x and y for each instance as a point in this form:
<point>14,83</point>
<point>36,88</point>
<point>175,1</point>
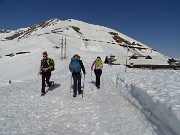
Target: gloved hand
<point>40,73</point>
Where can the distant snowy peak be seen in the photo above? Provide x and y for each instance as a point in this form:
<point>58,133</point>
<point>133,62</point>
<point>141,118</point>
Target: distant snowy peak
<point>104,34</point>
<point>76,25</point>
<point>4,31</point>
<point>26,32</point>
<point>85,31</point>
<point>47,23</point>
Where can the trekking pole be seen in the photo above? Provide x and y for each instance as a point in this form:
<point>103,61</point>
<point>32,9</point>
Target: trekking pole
<point>91,75</point>
<point>83,85</point>
<point>91,80</point>
<point>84,82</point>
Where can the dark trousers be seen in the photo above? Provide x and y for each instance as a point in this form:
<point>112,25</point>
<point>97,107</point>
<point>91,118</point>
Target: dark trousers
<point>45,78</point>
<point>77,83</point>
<point>98,80</point>
<point>98,73</point>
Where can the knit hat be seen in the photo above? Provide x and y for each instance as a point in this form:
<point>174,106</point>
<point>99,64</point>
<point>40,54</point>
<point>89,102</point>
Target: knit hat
<point>44,53</point>
<point>76,55</point>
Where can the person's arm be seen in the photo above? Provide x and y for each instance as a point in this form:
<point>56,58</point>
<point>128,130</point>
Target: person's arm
<point>40,69</point>
<point>48,68</point>
<point>102,65</point>
<point>92,65</point>
<point>82,66</point>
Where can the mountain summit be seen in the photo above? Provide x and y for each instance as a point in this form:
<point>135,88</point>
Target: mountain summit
<point>79,35</point>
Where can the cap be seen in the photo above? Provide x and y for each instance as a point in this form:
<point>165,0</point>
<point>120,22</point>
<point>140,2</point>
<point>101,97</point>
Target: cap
<point>44,53</point>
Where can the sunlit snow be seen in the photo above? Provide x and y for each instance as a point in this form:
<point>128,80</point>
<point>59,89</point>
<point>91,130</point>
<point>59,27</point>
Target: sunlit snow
<point>135,102</point>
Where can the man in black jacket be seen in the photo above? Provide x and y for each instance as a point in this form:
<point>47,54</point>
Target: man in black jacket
<point>76,74</point>
<point>45,71</point>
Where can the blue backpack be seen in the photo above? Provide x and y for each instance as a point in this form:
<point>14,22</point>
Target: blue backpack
<point>74,65</point>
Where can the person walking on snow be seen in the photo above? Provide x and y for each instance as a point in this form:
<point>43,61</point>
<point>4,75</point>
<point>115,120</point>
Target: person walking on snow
<point>46,66</point>
<point>75,67</point>
<point>97,70</point>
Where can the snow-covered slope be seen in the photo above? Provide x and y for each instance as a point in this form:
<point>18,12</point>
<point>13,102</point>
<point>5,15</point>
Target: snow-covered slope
<point>157,93</point>
<point>104,111</point>
<point>80,36</point>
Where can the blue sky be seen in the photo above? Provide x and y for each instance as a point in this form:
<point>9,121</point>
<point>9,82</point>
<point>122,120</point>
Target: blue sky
<point>155,23</point>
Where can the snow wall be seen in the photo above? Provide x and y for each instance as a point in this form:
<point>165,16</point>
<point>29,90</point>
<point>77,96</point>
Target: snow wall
<point>157,112</point>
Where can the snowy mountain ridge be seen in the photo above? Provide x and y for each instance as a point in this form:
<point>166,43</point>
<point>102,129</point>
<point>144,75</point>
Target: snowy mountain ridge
<point>49,36</point>
<point>87,33</point>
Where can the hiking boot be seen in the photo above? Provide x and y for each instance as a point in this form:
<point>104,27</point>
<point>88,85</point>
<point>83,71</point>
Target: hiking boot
<point>42,94</point>
<point>52,84</point>
<point>80,92</point>
<point>74,95</point>
<point>50,88</point>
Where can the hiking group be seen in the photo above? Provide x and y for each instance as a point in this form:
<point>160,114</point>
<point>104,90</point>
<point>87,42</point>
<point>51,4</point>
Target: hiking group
<point>75,67</point>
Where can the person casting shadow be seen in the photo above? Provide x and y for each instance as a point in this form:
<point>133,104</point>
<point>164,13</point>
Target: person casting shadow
<point>97,70</point>
<point>75,67</point>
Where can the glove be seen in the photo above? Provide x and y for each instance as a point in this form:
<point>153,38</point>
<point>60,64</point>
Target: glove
<point>39,73</point>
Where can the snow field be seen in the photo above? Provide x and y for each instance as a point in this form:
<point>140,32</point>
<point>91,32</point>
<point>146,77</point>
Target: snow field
<point>157,93</point>
<point>99,112</point>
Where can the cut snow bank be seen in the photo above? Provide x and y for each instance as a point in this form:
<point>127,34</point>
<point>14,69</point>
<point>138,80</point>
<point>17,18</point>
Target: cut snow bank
<point>156,93</point>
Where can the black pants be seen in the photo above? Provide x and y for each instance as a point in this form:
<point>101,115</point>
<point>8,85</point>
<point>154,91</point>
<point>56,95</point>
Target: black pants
<point>98,80</point>
<point>45,78</point>
<point>98,73</point>
<point>77,84</point>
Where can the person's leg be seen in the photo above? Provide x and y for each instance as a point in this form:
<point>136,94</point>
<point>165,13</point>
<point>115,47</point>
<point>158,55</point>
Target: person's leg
<point>79,84</point>
<point>48,76</point>
<point>43,84</point>
<point>75,86</point>
<point>95,72</point>
<point>98,80</point>
<point>98,75</point>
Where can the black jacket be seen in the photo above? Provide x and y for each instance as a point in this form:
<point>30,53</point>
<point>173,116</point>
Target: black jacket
<point>82,67</point>
<point>44,64</point>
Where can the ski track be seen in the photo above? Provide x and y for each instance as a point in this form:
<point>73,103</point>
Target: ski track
<point>24,111</point>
